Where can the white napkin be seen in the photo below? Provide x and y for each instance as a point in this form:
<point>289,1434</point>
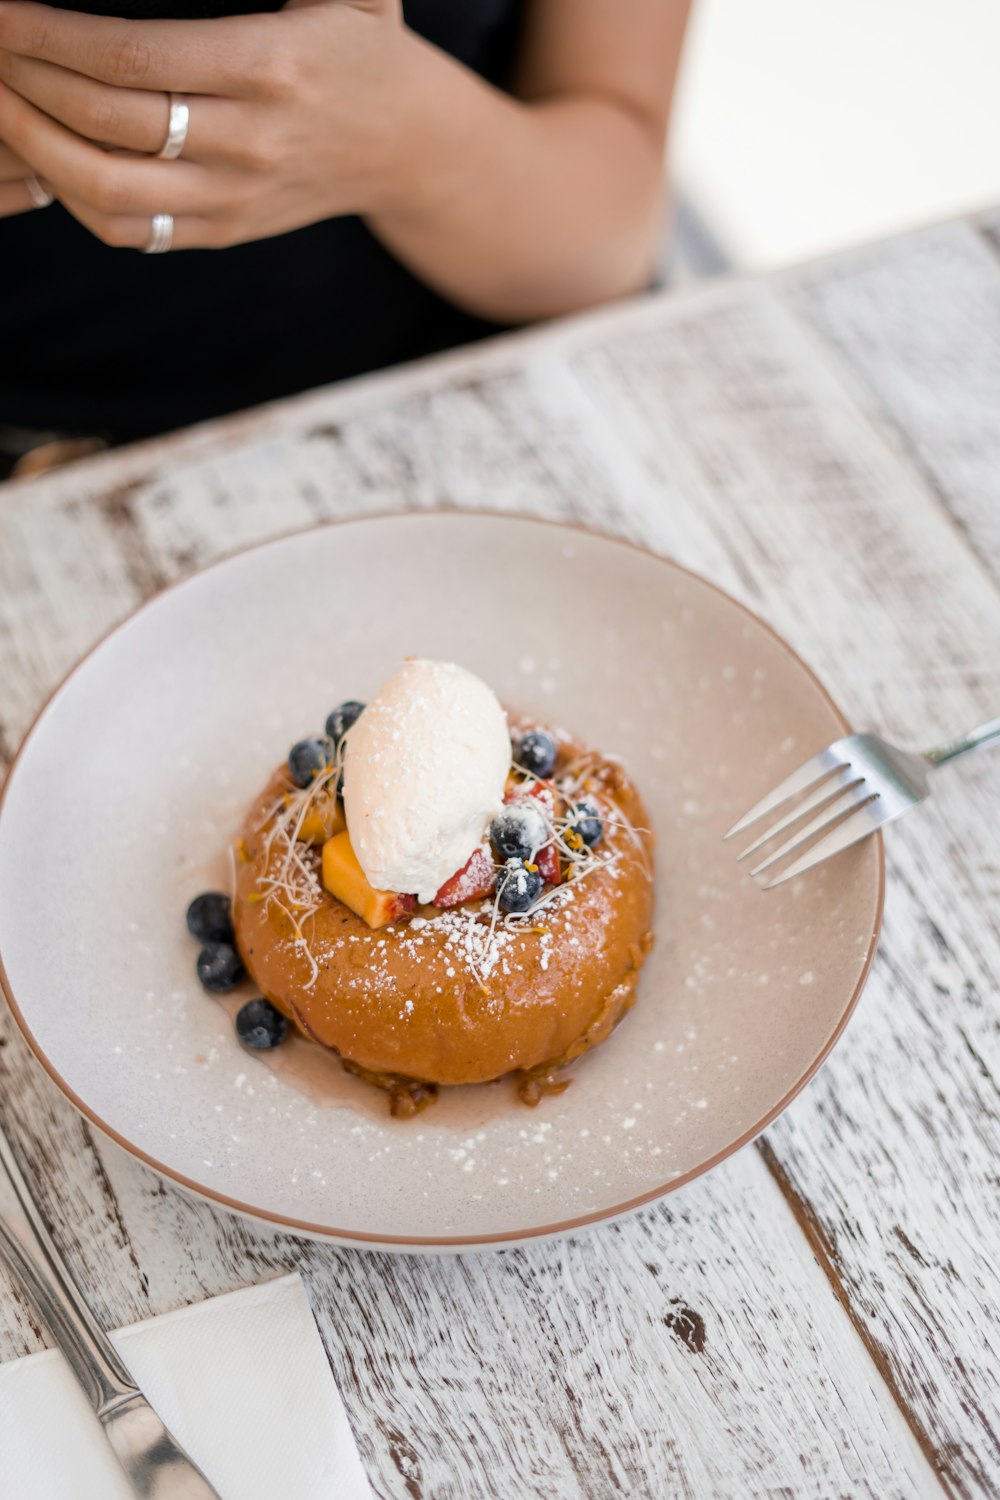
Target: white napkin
<point>242,1381</point>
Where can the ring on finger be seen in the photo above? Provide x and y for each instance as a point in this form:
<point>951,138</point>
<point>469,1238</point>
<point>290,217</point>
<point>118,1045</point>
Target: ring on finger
<point>177,128</point>
<point>40,197</point>
<point>161,234</point>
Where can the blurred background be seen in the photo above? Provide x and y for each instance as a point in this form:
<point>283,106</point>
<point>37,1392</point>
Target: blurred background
<point>803,126</point>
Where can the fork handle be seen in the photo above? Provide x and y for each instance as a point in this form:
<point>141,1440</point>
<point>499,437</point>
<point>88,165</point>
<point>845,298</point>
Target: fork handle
<point>985,734</point>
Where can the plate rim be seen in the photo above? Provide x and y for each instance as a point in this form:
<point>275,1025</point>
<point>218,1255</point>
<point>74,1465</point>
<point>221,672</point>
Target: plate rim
<point>387,1242</point>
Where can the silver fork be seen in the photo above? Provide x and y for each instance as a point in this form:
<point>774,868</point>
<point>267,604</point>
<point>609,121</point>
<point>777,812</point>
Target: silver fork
<point>154,1461</point>
<point>853,787</point>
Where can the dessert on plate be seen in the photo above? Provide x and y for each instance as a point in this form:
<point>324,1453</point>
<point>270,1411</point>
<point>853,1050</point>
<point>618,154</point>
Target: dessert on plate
<point>436,894</point>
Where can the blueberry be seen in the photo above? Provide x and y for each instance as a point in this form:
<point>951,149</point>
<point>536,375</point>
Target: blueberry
<point>519,887</point>
<point>586,821</point>
<point>309,759</point>
<point>259,1026</point>
<point>210,919</point>
<point>342,718</point>
<point>537,753</point>
<point>220,967</point>
<point>518,831</point>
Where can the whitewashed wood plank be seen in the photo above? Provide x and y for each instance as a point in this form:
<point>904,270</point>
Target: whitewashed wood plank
<point>988,223</point>
<point>683,501</point>
<point>564,1447</point>
<point>852,558</point>
<point>68,572</point>
<point>131,1272</point>
<point>919,322</point>
<point>510,442</point>
<point>640,1359</point>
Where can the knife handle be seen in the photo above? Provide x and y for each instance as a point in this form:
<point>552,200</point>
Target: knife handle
<point>153,1460</point>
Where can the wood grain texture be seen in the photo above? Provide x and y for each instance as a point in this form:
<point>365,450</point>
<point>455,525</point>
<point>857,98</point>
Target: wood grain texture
<point>903,1130</point>
<point>405,1377</point>
<point>640,1359</point>
<point>988,224</point>
<point>820,1315</point>
<point>919,322</point>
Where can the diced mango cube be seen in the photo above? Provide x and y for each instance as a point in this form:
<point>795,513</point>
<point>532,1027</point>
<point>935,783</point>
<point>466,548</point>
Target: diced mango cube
<point>344,878</point>
<point>324,818</point>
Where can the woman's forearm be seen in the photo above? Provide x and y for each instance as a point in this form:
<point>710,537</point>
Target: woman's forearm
<point>519,211</point>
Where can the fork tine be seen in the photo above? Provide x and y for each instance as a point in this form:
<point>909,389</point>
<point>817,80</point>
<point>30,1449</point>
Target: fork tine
<point>799,781</point>
<point>823,793</point>
<point>863,821</point>
<point>852,798</point>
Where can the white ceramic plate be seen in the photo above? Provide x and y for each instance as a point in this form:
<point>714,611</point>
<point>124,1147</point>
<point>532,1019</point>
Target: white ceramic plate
<point>136,775</point>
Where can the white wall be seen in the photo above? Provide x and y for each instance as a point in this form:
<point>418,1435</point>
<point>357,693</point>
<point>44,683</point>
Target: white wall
<point>803,126</point>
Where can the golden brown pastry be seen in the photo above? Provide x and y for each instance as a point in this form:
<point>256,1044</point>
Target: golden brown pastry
<point>467,993</point>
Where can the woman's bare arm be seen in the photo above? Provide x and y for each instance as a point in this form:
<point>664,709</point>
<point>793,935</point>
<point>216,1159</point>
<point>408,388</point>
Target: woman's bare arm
<point>527,207</point>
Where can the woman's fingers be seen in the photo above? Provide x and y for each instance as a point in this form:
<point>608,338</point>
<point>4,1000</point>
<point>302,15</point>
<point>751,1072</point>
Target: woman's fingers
<point>132,233</point>
<point>130,119</point>
<point>12,168</point>
<point>203,57</point>
<point>15,194</point>
<point>15,198</point>
<point>127,119</point>
<point>114,185</point>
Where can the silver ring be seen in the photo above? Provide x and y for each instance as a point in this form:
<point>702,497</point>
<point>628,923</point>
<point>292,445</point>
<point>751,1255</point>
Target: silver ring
<point>40,196</point>
<point>161,234</point>
<point>177,128</point>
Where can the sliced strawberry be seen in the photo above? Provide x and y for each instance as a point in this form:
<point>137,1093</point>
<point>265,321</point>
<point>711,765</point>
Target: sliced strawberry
<point>475,879</point>
<point>549,868</point>
<point>544,793</point>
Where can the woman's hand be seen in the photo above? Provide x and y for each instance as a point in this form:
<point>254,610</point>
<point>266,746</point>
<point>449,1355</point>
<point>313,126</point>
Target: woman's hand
<point>15,196</point>
<point>516,205</point>
<point>295,117</point>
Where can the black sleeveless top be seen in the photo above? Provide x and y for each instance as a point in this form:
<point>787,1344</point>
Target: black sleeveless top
<point>116,344</point>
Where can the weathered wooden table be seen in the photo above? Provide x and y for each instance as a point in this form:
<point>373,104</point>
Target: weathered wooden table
<point>821,1315</point>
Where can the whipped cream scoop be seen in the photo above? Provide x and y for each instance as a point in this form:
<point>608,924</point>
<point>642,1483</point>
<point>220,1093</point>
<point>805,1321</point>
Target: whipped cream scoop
<point>424,775</point>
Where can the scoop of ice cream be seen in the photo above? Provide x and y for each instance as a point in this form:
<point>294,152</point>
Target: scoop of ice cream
<point>424,774</point>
